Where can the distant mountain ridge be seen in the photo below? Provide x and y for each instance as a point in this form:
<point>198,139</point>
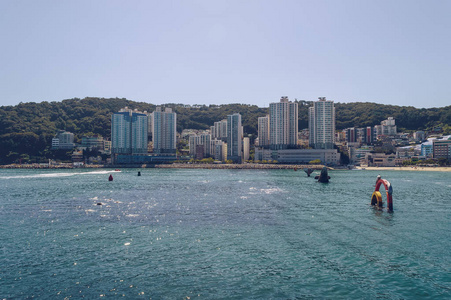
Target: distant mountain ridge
<point>27,128</point>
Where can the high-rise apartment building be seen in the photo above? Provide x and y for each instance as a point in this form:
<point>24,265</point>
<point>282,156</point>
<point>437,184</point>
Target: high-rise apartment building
<point>129,132</point>
<point>234,138</point>
<point>203,140</point>
<point>263,132</point>
<point>164,131</point>
<point>219,130</point>
<point>322,124</point>
<point>283,124</point>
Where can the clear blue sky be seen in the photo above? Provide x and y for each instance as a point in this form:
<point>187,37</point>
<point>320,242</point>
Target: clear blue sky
<point>216,52</point>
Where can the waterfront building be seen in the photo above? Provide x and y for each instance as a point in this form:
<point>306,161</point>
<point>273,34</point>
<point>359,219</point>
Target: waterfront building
<point>283,124</point>
<point>92,142</point>
<point>357,155</point>
<point>234,138</point>
<point>200,146</point>
<point>263,131</point>
<point>442,147</point>
<point>107,146</point>
<point>299,156</point>
<point>380,160</point>
<point>63,140</point>
<point>246,148</point>
<point>426,148</point>
<point>129,132</point>
<point>164,131</point>
<point>220,150</point>
<point>322,124</point>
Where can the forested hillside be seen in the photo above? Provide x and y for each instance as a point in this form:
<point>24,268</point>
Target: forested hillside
<point>27,128</point>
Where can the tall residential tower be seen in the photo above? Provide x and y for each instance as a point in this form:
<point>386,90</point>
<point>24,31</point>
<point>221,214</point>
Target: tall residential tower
<point>164,129</point>
<point>234,138</point>
<point>283,124</point>
<point>322,124</point>
<point>129,132</point>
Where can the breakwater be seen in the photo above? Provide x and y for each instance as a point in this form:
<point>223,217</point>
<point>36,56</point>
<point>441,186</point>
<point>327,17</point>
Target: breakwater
<point>238,166</point>
<point>167,166</point>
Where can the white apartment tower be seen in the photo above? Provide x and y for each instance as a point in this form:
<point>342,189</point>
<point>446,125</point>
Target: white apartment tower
<point>322,124</point>
<point>283,124</point>
<point>164,131</point>
<point>129,132</point>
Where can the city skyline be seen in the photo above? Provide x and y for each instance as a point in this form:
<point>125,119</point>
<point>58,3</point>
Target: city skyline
<point>220,52</point>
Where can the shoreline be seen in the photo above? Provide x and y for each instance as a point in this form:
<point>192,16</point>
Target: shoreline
<point>247,166</point>
<point>170,166</point>
<point>427,169</point>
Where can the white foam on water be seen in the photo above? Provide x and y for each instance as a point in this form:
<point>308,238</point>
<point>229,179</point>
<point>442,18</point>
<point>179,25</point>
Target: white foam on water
<point>60,174</point>
<point>132,215</point>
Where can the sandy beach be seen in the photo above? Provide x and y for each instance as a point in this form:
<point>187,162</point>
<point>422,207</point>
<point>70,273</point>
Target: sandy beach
<point>436,169</point>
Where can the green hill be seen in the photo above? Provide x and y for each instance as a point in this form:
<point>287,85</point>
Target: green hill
<point>27,128</point>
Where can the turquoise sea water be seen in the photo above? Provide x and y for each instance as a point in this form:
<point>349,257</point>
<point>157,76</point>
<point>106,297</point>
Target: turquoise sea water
<point>222,234</point>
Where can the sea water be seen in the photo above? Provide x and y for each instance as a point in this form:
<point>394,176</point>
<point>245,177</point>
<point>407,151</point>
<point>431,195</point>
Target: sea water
<point>222,234</point>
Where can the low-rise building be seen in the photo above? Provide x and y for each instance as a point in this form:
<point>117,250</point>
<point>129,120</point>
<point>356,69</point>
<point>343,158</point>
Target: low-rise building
<point>63,140</point>
<point>301,156</point>
<point>380,160</point>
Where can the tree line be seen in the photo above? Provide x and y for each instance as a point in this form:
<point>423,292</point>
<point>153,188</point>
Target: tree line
<point>26,129</point>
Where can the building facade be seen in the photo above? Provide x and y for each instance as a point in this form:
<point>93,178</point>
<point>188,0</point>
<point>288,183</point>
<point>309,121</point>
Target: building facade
<point>299,156</point>
<point>442,147</point>
<point>219,130</point>
<point>129,132</point>
<point>322,124</point>
<point>234,138</point>
<point>164,131</point>
<point>63,140</point>
<point>200,143</point>
<point>263,132</point>
<point>283,124</point>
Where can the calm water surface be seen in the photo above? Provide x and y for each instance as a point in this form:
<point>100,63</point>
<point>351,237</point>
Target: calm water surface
<point>222,234</point>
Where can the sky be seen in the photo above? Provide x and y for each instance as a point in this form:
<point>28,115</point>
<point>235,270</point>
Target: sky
<point>219,52</point>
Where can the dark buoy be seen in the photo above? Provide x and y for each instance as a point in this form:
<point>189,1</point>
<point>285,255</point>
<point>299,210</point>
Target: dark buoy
<point>110,178</point>
<point>323,176</point>
<point>139,173</point>
<point>308,171</point>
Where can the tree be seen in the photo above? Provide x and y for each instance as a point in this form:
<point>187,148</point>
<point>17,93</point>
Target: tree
<point>315,162</point>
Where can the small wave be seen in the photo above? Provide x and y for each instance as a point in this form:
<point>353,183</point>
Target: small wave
<point>271,190</point>
<point>59,174</point>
